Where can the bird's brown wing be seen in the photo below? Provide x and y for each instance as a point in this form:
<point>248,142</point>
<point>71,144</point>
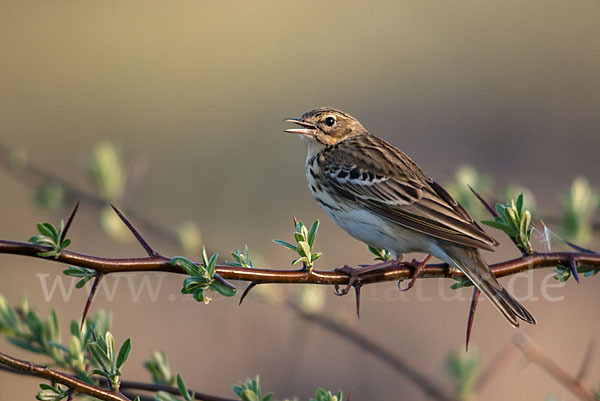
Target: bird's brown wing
<point>370,171</point>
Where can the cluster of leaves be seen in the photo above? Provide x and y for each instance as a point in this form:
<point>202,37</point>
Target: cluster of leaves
<point>463,368</point>
<point>460,283</point>
<point>380,254</point>
<point>52,393</point>
<point>52,237</point>
<point>305,239</point>
<point>89,351</point>
<point>515,221</point>
<point>241,259</point>
<point>251,391</point>
<point>103,352</point>
<point>83,273</point>
<point>202,277</point>
<point>323,395</point>
<point>158,366</point>
<point>579,202</point>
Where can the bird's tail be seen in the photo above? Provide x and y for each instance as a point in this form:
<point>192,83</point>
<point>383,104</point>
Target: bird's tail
<point>470,262</point>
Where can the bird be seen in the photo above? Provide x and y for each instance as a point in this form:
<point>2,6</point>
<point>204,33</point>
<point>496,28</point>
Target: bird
<point>380,196</point>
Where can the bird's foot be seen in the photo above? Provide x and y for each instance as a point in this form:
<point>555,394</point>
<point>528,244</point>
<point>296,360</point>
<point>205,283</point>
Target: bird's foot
<point>356,272</point>
<point>418,265</point>
<point>355,282</point>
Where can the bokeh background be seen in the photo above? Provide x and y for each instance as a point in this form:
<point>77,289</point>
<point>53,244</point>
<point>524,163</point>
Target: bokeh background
<point>193,94</point>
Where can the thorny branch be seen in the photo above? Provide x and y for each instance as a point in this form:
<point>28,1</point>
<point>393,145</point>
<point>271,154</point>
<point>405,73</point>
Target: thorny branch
<point>159,263</point>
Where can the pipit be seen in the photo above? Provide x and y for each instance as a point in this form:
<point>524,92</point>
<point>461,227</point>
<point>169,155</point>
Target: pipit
<point>379,196</point>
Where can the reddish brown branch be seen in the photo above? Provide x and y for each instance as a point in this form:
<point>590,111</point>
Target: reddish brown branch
<point>400,272</point>
<point>125,384</point>
<point>55,376</point>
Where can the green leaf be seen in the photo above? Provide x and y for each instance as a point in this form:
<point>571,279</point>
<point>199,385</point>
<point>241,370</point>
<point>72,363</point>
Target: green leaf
<point>222,289</point>
<point>183,389</point>
<point>460,283</point>
<point>26,345</point>
<point>100,373</point>
<point>285,244</point>
<point>519,204</point>
<point>198,295</point>
<point>100,356</point>
<point>303,248</point>
<point>187,265</point>
<point>48,230</point>
<point>249,395</point>
<point>495,224</point>
<point>312,233</point>
<point>212,263</point>
<point>204,257</point>
<point>124,352</point>
<point>511,219</point>
<point>110,349</point>
<point>500,209</point>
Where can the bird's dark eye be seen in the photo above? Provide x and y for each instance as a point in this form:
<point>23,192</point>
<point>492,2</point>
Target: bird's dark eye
<point>329,121</point>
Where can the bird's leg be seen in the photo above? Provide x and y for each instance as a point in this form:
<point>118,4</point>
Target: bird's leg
<point>355,272</point>
<point>418,266</point>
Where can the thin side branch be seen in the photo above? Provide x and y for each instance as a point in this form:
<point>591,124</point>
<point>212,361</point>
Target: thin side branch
<point>55,376</point>
<point>535,354</point>
<point>126,385</point>
<point>403,367</point>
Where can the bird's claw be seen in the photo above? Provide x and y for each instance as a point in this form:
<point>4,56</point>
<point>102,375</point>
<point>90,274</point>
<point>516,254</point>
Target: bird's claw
<point>352,282</point>
<point>418,265</point>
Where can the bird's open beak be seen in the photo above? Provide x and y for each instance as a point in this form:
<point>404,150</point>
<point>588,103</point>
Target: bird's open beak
<point>307,128</point>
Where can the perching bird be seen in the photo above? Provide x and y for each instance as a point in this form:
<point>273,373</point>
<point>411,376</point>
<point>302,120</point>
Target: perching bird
<point>378,195</point>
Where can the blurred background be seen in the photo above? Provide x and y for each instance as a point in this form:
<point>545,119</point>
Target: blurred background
<point>192,95</point>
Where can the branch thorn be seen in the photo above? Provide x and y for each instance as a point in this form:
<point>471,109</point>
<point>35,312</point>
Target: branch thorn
<point>88,302</point>
<point>69,221</point>
<point>249,287</point>
<point>135,233</point>
<point>573,267</point>
<point>484,202</point>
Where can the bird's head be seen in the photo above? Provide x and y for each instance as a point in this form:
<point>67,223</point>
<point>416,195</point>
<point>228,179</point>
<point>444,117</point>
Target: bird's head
<point>325,126</point>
